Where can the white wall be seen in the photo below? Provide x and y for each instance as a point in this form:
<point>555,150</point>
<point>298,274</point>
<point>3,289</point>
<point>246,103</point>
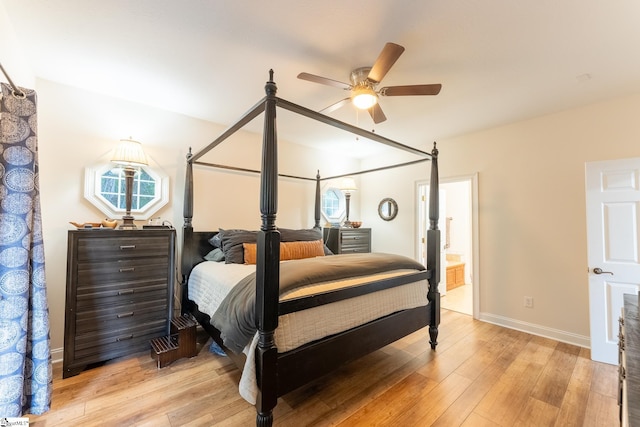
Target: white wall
<point>532,223</point>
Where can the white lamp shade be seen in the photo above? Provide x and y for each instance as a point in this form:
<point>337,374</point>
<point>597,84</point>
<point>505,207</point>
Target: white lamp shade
<point>348,185</point>
<point>129,153</point>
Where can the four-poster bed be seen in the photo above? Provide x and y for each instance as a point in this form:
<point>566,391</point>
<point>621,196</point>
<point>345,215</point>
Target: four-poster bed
<point>279,371</point>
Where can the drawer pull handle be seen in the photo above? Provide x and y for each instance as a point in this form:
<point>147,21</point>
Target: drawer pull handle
<point>121,315</point>
<point>125,292</point>
<point>123,247</point>
<point>127,269</point>
<point>124,338</point>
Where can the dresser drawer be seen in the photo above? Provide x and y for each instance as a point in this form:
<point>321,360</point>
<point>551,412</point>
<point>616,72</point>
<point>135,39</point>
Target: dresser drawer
<point>108,344</point>
<point>105,248</point>
<point>355,234</point>
<point>91,274</point>
<point>352,249</point>
<point>120,316</point>
<point>119,293</point>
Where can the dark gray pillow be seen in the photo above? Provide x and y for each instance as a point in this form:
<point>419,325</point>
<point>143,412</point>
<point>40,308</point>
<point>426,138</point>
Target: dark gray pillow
<point>304,235</point>
<point>232,241</point>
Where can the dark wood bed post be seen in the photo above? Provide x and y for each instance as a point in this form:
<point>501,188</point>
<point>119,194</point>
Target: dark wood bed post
<point>317,203</point>
<point>187,230</point>
<point>433,249</point>
<point>268,267</point>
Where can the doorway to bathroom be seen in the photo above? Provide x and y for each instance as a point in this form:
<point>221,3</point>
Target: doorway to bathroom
<point>458,223</point>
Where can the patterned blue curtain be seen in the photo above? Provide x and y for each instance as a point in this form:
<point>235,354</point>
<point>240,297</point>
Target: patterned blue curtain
<point>25,357</point>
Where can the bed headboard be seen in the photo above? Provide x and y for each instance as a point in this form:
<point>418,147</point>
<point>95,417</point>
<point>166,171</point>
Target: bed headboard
<point>195,245</point>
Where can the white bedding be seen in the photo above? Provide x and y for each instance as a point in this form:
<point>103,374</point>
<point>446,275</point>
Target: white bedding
<point>209,283</point>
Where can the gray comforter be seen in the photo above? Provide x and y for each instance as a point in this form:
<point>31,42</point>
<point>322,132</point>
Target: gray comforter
<point>236,319</point>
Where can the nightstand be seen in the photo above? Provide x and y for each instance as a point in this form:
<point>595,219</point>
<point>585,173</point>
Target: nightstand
<point>347,240</point>
<point>119,293</point>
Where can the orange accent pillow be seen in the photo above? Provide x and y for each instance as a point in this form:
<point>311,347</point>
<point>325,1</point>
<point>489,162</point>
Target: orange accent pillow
<point>288,250</point>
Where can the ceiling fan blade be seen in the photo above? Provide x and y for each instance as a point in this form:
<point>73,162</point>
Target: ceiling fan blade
<point>324,81</point>
<point>432,89</point>
<point>333,107</point>
<point>389,55</point>
<point>376,114</point>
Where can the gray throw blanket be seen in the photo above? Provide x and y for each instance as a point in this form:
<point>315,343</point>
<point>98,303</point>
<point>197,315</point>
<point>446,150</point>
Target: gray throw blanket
<point>236,318</point>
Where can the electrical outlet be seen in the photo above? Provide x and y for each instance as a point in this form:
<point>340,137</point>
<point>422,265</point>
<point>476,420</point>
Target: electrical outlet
<point>528,302</point>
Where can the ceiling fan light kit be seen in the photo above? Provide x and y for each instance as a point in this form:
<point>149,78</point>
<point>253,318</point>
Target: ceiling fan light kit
<point>364,97</point>
<point>364,82</point>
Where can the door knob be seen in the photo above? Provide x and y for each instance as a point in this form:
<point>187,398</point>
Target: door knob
<point>598,270</point>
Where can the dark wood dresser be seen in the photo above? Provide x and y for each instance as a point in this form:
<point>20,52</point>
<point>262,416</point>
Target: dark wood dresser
<point>119,293</point>
<point>629,370</point>
<point>347,240</point>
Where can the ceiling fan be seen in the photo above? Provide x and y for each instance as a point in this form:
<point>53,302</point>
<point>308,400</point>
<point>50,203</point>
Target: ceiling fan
<point>364,82</point>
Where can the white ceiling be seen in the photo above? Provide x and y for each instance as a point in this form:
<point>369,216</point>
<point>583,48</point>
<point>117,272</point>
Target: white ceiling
<point>498,60</point>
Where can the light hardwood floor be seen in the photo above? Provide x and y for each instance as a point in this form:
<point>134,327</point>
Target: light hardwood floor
<point>480,375</point>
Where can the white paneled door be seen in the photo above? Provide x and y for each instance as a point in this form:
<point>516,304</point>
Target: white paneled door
<point>613,223</point>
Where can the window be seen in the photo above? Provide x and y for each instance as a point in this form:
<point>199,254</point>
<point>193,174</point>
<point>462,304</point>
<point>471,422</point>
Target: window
<point>112,189</point>
<point>333,204</point>
<point>105,189</point>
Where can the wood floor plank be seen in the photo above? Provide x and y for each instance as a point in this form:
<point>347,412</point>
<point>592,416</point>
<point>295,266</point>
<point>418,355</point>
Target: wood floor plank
<point>537,413</point>
<point>605,379</point>
<point>574,402</point>
<point>432,403</point>
<point>601,411</point>
<point>554,380</point>
<point>475,420</point>
<point>391,404</point>
<point>539,350</point>
<point>503,403</point>
<point>160,420</point>
<point>489,349</point>
<point>313,409</point>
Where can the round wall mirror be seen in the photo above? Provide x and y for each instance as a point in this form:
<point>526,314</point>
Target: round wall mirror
<point>387,209</point>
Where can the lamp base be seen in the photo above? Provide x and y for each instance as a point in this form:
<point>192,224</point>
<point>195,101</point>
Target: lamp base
<point>347,224</point>
<point>127,223</point>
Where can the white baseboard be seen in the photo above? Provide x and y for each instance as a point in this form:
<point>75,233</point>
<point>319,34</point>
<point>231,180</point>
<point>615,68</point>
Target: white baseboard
<point>57,355</point>
<point>542,331</point>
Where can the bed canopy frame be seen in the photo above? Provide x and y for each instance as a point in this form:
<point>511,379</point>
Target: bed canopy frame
<point>273,379</point>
